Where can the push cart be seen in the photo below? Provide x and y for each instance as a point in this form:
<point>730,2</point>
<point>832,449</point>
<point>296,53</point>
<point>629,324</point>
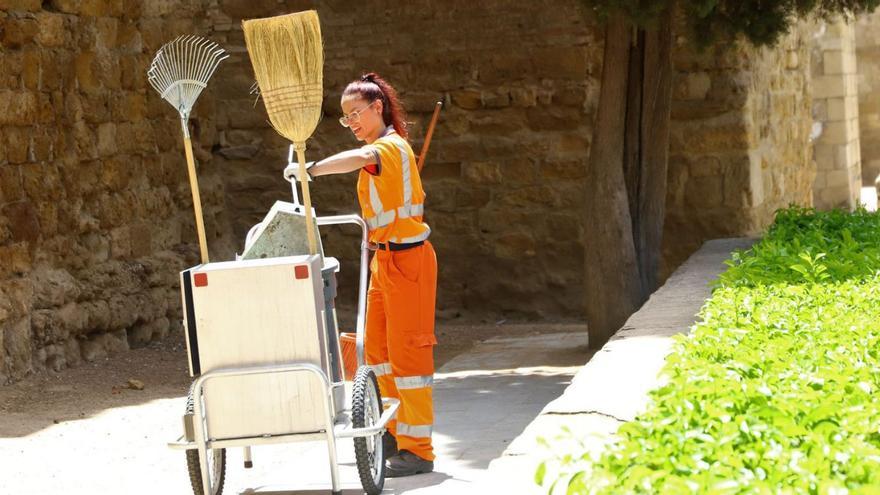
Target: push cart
<point>263,347</point>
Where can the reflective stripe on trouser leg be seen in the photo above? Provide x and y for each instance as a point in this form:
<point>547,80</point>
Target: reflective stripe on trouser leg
<point>415,421</point>
<point>381,369</point>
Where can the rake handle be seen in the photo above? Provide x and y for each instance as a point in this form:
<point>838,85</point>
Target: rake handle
<point>197,200</point>
<point>307,198</point>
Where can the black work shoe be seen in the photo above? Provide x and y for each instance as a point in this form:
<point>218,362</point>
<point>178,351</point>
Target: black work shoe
<point>389,444</point>
<point>407,464</point>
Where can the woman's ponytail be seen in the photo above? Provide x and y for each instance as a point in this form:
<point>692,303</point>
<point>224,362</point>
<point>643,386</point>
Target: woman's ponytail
<point>371,87</point>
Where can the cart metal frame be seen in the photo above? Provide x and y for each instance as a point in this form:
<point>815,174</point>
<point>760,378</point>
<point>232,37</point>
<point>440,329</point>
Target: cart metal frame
<point>334,430</point>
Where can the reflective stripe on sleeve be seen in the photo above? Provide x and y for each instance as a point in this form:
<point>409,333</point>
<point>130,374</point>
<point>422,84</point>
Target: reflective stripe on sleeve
<point>408,382</point>
<point>415,431</point>
<point>381,368</point>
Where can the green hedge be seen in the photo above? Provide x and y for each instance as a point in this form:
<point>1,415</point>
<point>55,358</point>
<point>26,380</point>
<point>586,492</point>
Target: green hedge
<point>774,391</point>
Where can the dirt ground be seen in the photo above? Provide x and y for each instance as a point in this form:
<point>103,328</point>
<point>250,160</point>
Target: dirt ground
<point>44,399</point>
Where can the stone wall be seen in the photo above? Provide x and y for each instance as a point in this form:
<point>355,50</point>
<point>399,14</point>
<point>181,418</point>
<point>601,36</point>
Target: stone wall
<point>836,149</point>
<point>739,141</point>
<point>867,29</point>
<point>95,210</point>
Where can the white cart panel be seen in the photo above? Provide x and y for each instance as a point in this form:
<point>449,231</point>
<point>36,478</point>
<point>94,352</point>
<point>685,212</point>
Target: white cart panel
<point>257,312</point>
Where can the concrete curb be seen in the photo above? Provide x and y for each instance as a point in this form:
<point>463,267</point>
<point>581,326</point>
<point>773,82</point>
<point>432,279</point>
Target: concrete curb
<point>613,387</point>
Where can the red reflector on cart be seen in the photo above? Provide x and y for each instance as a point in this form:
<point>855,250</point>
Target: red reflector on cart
<point>301,271</point>
<point>200,279</point>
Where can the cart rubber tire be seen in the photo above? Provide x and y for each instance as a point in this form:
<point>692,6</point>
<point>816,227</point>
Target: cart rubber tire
<point>366,388</point>
<point>194,467</point>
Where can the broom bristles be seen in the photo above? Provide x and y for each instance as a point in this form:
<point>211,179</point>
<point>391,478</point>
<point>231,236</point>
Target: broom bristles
<point>288,59</point>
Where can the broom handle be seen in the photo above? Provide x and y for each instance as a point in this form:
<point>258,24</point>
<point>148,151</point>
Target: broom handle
<point>430,133</point>
<point>197,201</point>
<point>307,198</point>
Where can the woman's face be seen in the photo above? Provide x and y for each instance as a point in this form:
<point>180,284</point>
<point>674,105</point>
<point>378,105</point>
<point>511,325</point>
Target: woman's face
<point>364,118</point>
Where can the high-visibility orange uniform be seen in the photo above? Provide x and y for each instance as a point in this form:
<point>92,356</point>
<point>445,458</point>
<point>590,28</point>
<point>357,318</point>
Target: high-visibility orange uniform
<point>403,287</point>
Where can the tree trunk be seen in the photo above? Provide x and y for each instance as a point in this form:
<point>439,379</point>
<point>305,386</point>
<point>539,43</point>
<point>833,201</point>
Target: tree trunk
<point>611,284</point>
<point>626,179</point>
<point>656,103</point>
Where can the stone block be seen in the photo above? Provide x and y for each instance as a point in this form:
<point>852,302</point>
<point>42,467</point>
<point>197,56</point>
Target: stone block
<point>22,221</point>
<point>570,96</point>
<point>107,29</point>
<point>471,196</point>
<point>703,166</point>
<point>10,184</point>
<point>52,31</point>
<point>560,62</point>
<point>15,259</point>
<point>17,107</point>
<point>140,235</point>
<point>20,5</point>
<point>482,172</point>
<point>792,60</point>
<point>837,179</point>
<point>524,97</point>
<point>564,170</point>
<point>836,109</point>
<point>18,31</point>
<point>829,87</point>
<point>103,345</point>
<point>142,334</point>
<point>835,133</point>
<point>18,347</point>
<point>106,139</point>
<point>437,171</point>
<point>692,86</point>
<point>497,99</point>
<point>553,118</point>
<point>833,62</point>
<point>250,9</point>
<point>704,192</point>
<point>845,156</point>
<point>519,171</point>
<point>30,69</point>
<point>515,246</point>
<point>116,173</point>
<point>468,99</point>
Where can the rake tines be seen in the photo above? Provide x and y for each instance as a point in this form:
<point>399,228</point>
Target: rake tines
<point>181,70</point>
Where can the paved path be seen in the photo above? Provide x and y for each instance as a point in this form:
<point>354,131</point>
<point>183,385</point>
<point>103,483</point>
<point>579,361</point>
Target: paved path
<point>485,398</point>
<point>613,387</point>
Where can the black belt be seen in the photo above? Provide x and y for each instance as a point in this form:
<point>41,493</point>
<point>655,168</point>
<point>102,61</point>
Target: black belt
<point>391,246</point>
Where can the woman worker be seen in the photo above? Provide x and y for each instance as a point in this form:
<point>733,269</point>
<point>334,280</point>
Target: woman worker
<point>403,283</point>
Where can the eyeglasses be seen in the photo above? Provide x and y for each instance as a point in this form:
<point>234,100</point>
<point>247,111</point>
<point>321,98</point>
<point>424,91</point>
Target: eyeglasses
<point>355,116</point>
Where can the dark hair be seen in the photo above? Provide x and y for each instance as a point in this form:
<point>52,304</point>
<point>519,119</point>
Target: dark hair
<point>371,87</point>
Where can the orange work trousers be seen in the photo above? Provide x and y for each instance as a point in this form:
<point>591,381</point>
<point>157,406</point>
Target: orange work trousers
<point>400,340</point>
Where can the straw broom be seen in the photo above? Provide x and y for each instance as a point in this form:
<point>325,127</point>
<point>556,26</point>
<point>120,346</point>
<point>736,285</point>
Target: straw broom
<point>288,59</point>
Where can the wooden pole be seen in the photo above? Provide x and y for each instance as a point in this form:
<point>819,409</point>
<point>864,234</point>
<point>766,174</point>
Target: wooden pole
<point>307,198</point>
<point>194,187</point>
<point>424,153</point>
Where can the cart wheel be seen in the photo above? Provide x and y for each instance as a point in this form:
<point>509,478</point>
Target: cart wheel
<point>216,463</point>
<point>366,409</point>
